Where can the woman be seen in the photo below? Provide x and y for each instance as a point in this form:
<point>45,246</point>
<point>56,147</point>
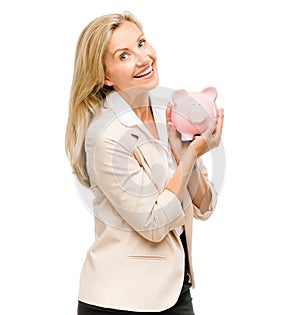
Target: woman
<point>147,184</point>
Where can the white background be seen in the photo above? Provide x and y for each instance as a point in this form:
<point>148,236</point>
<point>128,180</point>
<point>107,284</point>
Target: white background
<point>247,255</point>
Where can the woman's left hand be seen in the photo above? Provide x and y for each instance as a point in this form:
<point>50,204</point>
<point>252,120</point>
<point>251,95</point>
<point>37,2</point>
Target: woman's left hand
<point>177,146</point>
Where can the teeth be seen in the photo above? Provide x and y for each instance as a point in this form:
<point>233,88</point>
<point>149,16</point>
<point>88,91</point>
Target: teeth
<point>144,72</point>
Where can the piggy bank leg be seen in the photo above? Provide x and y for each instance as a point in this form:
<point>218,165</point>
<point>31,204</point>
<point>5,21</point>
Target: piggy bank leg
<point>186,138</point>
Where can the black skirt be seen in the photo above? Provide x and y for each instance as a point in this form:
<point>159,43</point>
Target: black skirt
<point>183,306</point>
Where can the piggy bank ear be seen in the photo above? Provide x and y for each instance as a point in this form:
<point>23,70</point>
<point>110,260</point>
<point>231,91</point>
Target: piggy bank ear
<point>177,95</point>
<point>211,92</point>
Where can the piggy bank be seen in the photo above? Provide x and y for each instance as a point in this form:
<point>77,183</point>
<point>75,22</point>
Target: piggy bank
<point>193,111</point>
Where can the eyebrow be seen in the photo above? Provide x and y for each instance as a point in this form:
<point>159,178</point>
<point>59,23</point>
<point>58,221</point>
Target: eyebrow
<point>121,49</point>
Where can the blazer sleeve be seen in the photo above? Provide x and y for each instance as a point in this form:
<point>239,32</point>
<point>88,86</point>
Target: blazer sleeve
<point>150,211</point>
<point>206,215</point>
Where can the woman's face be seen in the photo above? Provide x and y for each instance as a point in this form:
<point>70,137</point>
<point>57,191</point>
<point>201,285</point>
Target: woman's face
<point>130,60</point>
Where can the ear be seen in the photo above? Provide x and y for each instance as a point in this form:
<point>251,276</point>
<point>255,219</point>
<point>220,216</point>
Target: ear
<point>108,82</point>
<point>211,92</point>
<point>178,94</point>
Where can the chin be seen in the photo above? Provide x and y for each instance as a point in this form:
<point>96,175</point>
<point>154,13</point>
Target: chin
<point>151,84</point>
<point>147,86</point>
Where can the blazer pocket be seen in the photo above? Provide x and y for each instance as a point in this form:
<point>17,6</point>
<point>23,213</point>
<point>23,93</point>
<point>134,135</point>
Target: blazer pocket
<point>146,257</point>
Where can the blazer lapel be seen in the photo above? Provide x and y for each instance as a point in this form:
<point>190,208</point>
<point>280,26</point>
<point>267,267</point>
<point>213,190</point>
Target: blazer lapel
<point>148,153</point>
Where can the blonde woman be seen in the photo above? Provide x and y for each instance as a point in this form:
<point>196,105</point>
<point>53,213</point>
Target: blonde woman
<point>147,184</point>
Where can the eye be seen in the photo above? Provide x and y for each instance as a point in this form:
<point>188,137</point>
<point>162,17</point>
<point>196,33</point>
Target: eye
<point>142,43</point>
<point>124,57</point>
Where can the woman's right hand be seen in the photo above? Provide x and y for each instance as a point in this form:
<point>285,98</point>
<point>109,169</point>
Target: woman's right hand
<point>211,138</point>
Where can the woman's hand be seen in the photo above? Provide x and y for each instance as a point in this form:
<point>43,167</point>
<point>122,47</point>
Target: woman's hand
<point>210,139</point>
<point>187,152</point>
<point>177,146</point>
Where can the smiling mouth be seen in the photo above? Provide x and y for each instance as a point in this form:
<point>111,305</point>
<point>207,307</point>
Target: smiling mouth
<point>144,73</point>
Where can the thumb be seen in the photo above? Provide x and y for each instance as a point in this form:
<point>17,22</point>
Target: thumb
<point>172,132</point>
<point>210,129</point>
<point>169,113</point>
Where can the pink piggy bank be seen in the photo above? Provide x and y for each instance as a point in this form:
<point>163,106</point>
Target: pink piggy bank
<point>192,111</point>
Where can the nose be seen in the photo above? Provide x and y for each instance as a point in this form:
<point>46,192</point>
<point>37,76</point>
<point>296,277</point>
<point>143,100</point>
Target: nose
<point>142,58</point>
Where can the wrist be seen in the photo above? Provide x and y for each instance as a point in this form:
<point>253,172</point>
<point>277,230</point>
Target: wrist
<point>179,155</point>
<point>199,146</point>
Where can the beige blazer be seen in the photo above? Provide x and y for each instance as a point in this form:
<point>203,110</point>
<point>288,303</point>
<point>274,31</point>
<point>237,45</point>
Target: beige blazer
<point>137,260</point>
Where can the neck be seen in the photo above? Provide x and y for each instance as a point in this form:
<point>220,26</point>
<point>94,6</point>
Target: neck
<point>139,102</point>
<point>144,113</point>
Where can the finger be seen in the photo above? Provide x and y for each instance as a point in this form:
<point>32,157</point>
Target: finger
<point>220,112</point>
<point>168,113</point>
<point>220,121</point>
<point>211,127</point>
<point>170,105</point>
<point>172,132</point>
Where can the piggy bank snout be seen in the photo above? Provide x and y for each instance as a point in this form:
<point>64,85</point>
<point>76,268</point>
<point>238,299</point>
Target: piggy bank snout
<point>193,111</point>
<point>198,115</point>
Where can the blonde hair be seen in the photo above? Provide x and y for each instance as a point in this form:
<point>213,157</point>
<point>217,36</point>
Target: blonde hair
<point>88,91</point>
